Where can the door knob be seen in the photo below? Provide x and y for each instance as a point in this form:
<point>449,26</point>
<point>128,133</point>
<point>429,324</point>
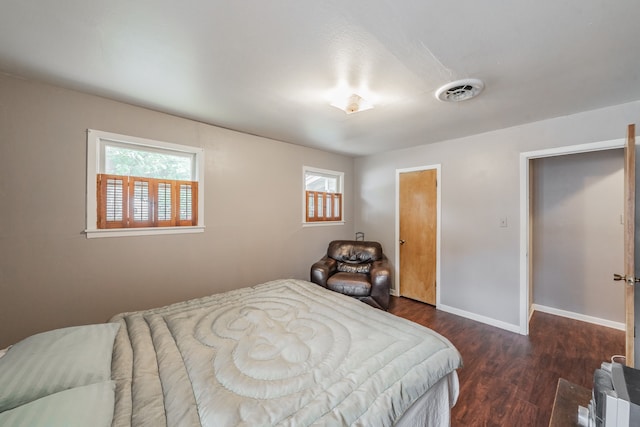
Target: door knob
<point>401,242</point>
<point>629,279</point>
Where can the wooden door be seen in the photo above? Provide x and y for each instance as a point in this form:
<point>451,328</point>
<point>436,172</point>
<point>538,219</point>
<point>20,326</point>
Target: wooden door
<point>629,241</point>
<point>418,234</point>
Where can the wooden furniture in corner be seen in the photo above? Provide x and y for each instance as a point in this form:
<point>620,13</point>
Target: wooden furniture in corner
<point>565,406</point>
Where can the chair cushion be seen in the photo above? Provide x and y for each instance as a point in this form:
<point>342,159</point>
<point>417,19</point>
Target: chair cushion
<point>352,284</point>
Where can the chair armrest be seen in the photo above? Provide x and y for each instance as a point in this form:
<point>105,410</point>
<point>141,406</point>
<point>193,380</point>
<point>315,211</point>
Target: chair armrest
<point>381,282</point>
<point>321,270</point>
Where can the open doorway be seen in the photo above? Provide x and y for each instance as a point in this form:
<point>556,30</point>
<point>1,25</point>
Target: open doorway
<point>526,219</point>
<point>577,236</point>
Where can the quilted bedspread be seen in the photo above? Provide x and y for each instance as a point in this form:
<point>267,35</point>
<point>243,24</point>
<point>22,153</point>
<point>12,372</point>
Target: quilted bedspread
<point>287,353</point>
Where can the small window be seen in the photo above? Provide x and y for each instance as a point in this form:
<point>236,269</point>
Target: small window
<point>141,185</point>
<point>322,195</point>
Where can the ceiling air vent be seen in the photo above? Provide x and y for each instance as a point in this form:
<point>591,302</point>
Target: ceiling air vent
<point>460,90</point>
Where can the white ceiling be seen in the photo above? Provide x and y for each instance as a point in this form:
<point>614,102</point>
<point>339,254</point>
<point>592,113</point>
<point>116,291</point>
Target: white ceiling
<point>268,67</point>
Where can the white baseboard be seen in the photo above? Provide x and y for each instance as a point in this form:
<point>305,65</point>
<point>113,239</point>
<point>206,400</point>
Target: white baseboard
<point>482,319</point>
<point>535,307</point>
<point>394,292</point>
<point>577,316</point>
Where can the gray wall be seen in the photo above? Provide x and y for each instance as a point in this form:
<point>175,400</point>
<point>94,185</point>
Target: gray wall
<point>52,276</point>
<point>577,234</point>
<point>480,184</point>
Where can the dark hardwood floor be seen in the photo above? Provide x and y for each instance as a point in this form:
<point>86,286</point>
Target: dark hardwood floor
<point>508,379</point>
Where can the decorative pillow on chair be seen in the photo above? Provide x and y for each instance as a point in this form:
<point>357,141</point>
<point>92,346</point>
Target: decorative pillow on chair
<point>354,268</point>
<point>54,361</point>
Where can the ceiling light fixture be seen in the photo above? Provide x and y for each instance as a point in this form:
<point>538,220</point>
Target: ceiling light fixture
<point>460,90</point>
<point>352,104</point>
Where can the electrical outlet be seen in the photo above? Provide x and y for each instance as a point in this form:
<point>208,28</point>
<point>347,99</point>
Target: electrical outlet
<point>503,222</point>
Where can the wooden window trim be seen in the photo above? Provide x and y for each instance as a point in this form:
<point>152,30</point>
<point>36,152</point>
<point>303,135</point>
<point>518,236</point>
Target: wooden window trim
<point>152,204</point>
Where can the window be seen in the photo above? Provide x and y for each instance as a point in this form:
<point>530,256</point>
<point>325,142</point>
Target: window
<point>322,195</point>
<point>139,186</point>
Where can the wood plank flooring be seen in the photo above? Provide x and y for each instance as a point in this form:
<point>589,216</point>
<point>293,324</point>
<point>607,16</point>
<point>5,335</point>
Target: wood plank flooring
<point>508,379</point>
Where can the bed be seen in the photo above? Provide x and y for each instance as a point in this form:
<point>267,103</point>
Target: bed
<point>286,353</point>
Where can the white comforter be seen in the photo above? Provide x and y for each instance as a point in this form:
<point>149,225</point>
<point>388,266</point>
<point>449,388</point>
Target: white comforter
<point>284,353</point>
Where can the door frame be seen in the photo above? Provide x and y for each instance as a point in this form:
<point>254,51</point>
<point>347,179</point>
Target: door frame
<point>437,167</point>
<point>525,214</point>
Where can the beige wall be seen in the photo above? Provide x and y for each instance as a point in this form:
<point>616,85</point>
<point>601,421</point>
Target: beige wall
<point>52,276</point>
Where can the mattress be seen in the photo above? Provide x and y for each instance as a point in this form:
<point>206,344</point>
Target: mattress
<point>286,353</point>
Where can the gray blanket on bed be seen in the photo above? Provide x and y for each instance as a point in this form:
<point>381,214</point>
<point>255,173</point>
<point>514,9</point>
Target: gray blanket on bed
<point>284,353</point>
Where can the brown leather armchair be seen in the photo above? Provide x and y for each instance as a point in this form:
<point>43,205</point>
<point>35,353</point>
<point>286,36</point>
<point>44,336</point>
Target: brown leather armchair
<point>355,268</point>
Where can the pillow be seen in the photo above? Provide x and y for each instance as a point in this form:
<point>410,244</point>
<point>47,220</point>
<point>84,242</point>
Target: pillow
<point>354,251</point>
<point>90,405</point>
<point>354,268</point>
<point>57,360</point>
